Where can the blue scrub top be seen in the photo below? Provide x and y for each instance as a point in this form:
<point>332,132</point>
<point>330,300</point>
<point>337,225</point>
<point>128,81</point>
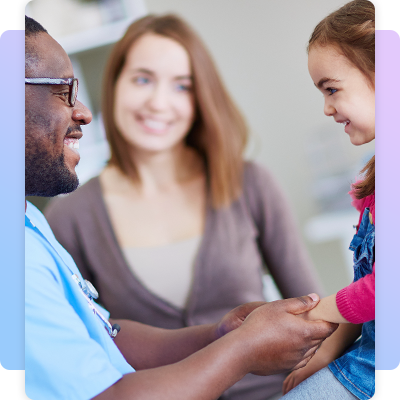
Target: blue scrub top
<point>68,352</point>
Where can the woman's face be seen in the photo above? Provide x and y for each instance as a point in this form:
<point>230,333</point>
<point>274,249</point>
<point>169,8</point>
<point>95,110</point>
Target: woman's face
<point>154,102</point>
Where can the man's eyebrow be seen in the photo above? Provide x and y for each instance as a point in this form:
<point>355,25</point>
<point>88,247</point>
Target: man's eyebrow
<point>322,81</point>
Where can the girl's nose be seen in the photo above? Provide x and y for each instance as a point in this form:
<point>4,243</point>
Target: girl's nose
<point>329,110</point>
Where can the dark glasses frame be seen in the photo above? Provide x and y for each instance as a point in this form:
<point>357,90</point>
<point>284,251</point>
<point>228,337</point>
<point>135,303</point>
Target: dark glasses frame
<point>71,82</point>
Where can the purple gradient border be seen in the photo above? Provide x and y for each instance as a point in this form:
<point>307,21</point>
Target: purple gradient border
<point>12,167</point>
<point>387,150</point>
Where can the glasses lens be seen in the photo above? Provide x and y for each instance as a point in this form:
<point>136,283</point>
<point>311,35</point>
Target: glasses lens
<point>74,92</point>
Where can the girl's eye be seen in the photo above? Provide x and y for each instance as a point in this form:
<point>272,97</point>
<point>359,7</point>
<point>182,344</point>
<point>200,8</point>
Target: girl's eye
<point>331,91</point>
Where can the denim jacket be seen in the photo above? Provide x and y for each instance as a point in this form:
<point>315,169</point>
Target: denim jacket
<point>356,368</point>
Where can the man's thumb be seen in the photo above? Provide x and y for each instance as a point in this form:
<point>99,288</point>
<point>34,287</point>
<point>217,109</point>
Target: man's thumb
<point>304,303</point>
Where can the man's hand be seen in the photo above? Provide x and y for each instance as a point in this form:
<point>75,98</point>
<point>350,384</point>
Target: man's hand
<point>235,318</point>
<point>260,338</point>
<point>273,339</point>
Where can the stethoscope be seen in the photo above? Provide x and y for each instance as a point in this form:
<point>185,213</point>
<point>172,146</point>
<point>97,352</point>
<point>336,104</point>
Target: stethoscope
<point>87,289</point>
<point>90,293</point>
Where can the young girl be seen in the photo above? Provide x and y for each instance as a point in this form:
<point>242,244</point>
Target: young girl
<point>341,62</point>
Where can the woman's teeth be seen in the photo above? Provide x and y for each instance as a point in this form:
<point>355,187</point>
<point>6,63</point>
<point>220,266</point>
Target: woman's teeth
<point>345,123</point>
<point>72,143</point>
<point>156,125</point>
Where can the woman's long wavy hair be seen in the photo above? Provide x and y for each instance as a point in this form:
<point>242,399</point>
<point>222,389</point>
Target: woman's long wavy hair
<point>351,29</point>
<point>219,133</point>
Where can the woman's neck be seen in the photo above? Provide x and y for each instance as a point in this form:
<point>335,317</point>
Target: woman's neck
<point>160,171</point>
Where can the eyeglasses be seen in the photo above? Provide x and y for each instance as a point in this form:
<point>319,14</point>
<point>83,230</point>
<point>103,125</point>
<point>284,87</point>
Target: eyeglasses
<point>71,82</point>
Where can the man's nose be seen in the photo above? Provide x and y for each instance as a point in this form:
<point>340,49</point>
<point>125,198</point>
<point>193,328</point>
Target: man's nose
<point>81,114</point>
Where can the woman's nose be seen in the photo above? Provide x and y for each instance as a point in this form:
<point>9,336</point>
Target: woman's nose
<point>158,99</point>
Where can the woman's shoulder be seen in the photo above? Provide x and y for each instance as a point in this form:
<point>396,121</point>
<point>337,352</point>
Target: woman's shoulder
<point>254,172</point>
<point>258,178</point>
<point>261,190</point>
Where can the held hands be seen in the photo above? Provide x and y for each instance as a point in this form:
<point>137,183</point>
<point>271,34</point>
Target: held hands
<point>234,318</point>
<point>272,339</point>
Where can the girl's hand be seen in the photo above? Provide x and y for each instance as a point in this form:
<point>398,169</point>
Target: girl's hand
<point>296,377</point>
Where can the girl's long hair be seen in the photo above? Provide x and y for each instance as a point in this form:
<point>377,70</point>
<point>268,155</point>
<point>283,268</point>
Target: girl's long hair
<point>351,29</point>
<point>219,133</point>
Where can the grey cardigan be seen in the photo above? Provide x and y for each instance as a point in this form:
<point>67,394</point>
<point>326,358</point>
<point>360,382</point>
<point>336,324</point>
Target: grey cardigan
<point>254,232</point>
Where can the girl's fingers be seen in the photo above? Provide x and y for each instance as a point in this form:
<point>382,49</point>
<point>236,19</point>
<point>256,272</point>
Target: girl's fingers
<point>288,383</point>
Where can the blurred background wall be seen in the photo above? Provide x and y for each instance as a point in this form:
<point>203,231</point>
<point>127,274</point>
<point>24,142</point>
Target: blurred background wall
<point>259,47</point>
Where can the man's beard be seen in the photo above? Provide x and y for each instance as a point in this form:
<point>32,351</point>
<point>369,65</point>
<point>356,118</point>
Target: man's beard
<point>47,177</point>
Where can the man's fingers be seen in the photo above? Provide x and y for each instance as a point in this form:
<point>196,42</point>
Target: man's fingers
<point>320,330</point>
<point>312,350</point>
<point>303,362</point>
<point>245,309</point>
<point>299,305</point>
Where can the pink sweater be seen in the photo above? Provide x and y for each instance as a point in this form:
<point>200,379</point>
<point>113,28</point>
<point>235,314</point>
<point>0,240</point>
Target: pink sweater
<point>356,302</point>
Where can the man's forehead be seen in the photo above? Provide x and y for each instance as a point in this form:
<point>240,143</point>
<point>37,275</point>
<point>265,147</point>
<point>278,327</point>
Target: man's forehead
<point>51,59</point>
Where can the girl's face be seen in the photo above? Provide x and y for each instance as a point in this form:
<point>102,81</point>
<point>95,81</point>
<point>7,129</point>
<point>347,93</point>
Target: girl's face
<point>154,103</point>
<point>349,97</point>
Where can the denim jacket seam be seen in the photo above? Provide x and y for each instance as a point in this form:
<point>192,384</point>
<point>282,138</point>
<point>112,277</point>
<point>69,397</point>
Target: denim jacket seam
<point>347,379</point>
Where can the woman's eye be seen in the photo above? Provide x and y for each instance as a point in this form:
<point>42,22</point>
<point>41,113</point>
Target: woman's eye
<point>183,88</point>
<point>331,91</point>
<point>141,80</point>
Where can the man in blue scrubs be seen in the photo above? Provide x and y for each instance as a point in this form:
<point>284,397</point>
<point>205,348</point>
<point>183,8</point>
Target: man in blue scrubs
<point>71,351</point>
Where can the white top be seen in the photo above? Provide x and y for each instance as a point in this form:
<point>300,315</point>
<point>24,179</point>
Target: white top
<point>167,271</point>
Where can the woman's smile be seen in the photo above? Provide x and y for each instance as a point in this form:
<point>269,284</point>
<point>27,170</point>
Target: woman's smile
<point>154,102</point>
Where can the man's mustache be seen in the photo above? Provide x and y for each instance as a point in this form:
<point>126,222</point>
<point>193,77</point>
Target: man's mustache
<point>75,128</point>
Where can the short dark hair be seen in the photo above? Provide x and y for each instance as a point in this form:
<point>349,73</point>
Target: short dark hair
<point>33,27</point>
